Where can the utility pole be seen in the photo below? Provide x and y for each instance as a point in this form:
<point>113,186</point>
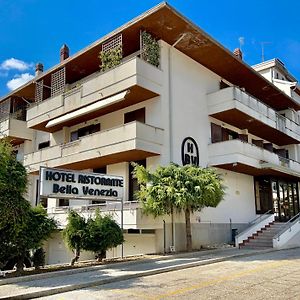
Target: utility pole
<point>263,50</point>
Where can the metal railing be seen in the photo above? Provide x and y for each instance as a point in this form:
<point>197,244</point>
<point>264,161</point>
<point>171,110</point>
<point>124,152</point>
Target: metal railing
<point>103,207</point>
<point>287,226</point>
<point>283,161</point>
<point>283,123</point>
<point>260,217</point>
<point>256,221</point>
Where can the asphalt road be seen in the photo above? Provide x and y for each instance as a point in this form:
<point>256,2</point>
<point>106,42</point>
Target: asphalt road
<point>274,275</point>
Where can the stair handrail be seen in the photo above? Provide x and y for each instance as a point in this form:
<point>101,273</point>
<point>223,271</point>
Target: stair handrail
<point>260,217</point>
<point>255,221</point>
<point>287,226</point>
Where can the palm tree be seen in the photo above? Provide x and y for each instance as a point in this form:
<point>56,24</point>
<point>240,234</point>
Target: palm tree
<point>188,188</point>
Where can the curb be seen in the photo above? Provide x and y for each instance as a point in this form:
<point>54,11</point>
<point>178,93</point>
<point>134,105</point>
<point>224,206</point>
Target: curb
<point>69,288</point>
<point>5,281</point>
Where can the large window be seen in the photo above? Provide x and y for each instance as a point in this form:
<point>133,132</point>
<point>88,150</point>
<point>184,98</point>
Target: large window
<point>279,195</point>
<point>90,129</point>
<point>221,134</point>
<point>135,115</point>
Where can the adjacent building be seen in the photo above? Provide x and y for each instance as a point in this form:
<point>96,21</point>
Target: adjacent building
<point>165,92</point>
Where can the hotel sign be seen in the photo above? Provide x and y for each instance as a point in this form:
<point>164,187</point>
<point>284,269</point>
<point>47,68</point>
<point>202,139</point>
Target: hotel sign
<point>55,183</point>
<point>189,152</point>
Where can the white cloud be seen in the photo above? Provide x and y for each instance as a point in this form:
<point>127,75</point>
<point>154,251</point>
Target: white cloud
<point>15,64</point>
<point>241,41</point>
<point>19,80</point>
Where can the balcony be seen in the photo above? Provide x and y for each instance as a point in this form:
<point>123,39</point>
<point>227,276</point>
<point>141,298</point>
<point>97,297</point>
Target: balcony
<point>235,107</point>
<point>139,79</point>
<point>238,156</point>
<point>132,141</point>
<point>15,130</point>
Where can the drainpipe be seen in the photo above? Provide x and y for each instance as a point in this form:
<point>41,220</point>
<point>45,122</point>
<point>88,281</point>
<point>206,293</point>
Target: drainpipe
<point>171,120</point>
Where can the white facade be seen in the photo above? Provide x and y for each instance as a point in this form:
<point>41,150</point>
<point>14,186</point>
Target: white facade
<point>181,98</point>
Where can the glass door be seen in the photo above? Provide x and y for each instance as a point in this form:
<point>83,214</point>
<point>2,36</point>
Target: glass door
<point>286,204</point>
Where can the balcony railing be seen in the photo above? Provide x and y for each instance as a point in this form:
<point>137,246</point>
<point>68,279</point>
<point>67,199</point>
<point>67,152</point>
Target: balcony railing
<point>68,87</point>
<point>252,112</point>
<point>13,125</point>
<point>127,137</point>
<point>130,215</point>
<point>282,123</point>
<point>237,151</point>
<point>140,79</point>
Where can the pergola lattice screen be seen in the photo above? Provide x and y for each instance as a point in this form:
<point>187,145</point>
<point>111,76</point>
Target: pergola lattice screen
<point>4,109</point>
<point>58,82</point>
<point>113,43</point>
<point>39,86</point>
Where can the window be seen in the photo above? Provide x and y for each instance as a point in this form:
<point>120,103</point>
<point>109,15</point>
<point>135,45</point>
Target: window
<point>135,115</point>
<point>133,231</point>
<point>282,153</point>
<point>258,143</point>
<point>90,129</point>
<point>101,170</point>
<point>148,231</point>
<point>216,133</point>
<point>43,145</point>
<point>63,202</point>
<point>220,134</point>
<point>231,135</point>
<point>133,184</point>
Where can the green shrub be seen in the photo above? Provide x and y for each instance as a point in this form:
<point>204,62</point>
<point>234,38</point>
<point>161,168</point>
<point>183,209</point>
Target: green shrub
<point>38,258</point>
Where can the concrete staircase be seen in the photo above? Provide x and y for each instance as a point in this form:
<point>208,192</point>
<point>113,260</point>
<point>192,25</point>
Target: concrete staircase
<point>263,238</point>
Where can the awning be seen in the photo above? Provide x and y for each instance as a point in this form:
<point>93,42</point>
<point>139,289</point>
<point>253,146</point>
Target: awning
<point>88,109</point>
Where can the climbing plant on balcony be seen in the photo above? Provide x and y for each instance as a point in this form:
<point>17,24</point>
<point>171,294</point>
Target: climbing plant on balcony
<point>150,49</point>
<point>111,58</point>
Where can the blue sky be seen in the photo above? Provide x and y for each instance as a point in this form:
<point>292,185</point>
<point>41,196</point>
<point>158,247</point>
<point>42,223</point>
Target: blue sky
<point>33,30</point>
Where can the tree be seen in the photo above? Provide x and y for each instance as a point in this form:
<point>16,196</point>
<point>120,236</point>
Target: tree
<point>35,229</point>
<point>188,188</point>
<point>74,234</point>
<point>103,233</point>
<point>22,228</point>
<point>14,208</point>
<point>96,235</point>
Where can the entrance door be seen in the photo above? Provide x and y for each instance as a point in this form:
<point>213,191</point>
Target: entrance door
<point>279,195</point>
<point>263,194</point>
<point>285,200</point>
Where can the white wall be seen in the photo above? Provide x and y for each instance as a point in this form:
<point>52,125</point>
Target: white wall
<point>189,84</point>
<point>238,204</point>
<point>116,118</point>
<point>57,252</point>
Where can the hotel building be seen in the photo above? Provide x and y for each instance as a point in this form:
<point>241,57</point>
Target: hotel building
<point>175,94</point>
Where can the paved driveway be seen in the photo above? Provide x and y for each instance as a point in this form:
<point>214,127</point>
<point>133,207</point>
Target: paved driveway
<point>273,275</point>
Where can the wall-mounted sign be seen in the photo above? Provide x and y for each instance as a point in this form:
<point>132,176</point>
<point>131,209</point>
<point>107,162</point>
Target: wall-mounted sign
<point>55,183</point>
<point>189,152</point>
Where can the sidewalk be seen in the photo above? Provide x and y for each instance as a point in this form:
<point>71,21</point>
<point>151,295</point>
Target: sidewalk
<point>39,285</point>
